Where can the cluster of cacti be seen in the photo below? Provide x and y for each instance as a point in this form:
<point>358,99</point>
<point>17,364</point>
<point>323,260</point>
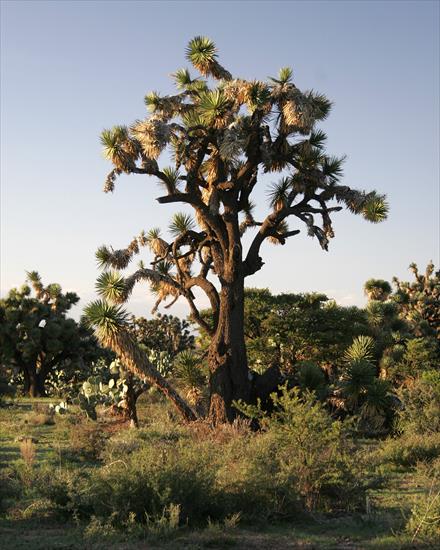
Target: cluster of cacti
<point>97,391</point>
<point>61,408</point>
<point>162,360</point>
<point>102,390</point>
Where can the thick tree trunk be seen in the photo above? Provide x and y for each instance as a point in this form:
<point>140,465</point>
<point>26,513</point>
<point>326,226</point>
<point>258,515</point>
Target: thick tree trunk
<point>228,366</point>
<point>33,382</point>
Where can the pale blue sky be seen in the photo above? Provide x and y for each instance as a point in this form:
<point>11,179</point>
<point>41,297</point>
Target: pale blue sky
<point>70,69</point>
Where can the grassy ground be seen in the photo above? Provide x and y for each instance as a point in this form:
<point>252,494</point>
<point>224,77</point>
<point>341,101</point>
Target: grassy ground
<point>22,527</point>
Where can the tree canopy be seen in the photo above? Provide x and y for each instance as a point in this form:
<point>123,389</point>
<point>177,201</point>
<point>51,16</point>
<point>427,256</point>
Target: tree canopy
<point>36,337</point>
<point>223,133</point>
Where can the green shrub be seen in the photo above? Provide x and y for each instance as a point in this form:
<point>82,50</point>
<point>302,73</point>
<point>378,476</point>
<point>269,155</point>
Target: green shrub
<point>304,455</point>
<point>423,524</point>
<point>409,449</point>
<point>420,411</point>
<point>154,478</point>
<point>10,488</point>
<point>300,460</point>
<point>87,440</point>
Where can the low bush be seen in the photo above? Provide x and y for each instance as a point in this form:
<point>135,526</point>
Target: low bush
<point>409,449</point>
<point>87,440</point>
<point>420,411</point>
<point>42,415</point>
<point>423,524</point>
<point>306,454</point>
<point>153,479</point>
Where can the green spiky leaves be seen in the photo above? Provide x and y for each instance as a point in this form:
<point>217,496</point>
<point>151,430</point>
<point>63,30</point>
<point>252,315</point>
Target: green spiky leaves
<point>111,286</point>
<point>188,369</point>
<point>152,101</point>
<point>119,148</point>
<point>279,192</point>
<point>377,289</point>
<point>357,378</point>
<point>202,53</point>
<point>361,349</point>
<point>181,223</point>
<point>106,319</point>
<point>372,206</point>
<point>153,234</point>
<point>183,81</point>
<point>103,256</point>
<point>182,78</point>
<point>376,209</point>
<point>317,139</point>
<point>284,76</point>
<point>170,179</point>
<point>214,109</point>
<point>258,96</point>
<point>332,167</point>
<point>320,105</point>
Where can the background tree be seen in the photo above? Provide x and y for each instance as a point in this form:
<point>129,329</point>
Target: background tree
<point>36,337</point>
<point>223,134</point>
<point>285,329</point>
<point>419,301</point>
<point>163,333</point>
<point>405,325</point>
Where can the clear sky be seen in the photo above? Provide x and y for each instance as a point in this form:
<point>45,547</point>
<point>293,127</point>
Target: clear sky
<point>69,69</point>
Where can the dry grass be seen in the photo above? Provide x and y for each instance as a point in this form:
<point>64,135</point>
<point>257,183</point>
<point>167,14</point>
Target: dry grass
<point>28,451</point>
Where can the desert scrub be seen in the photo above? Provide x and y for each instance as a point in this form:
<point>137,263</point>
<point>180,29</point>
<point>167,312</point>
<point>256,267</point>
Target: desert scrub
<point>423,524</point>
<point>41,415</point>
<point>10,488</point>
<point>147,481</point>
<point>87,440</point>
<point>409,449</point>
<point>304,452</point>
<point>421,404</point>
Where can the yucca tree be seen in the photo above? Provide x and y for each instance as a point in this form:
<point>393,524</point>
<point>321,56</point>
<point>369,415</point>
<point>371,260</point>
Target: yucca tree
<point>224,133</point>
<point>111,327</point>
<point>37,339</point>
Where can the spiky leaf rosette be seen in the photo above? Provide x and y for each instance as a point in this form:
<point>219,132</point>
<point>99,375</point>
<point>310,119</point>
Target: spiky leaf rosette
<point>170,179</point>
<point>118,259</point>
<point>188,369</point>
<point>356,379</point>
<point>360,350</point>
<point>111,286</point>
<point>181,223</point>
<point>119,148</point>
<point>375,209</point>
<point>106,319</point>
<point>202,53</point>
<point>278,193</point>
<point>377,289</point>
<point>214,109</point>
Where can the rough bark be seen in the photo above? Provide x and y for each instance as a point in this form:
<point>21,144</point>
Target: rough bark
<point>34,382</point>
<point>130,409</point>
<point>136,361</point>
<point>229,379</point>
